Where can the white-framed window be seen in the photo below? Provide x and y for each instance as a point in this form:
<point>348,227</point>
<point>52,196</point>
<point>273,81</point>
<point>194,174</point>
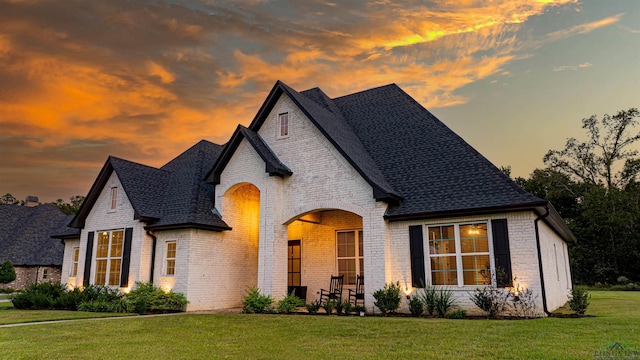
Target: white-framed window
<point>109,257</point>
<point>45,274</point>
<point>459,254</point>
<point>283,125</point>
<point>75,256</point>
<point>114,199</point>
<point>170,262</point>
<point>350,255</point>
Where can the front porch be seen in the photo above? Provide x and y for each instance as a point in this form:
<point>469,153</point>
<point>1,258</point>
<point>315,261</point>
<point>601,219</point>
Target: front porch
<point>323,243</point>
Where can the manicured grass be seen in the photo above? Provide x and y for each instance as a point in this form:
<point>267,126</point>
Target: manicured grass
<point>5,305</point>
<point>13,316</point>
<point>332,337</point>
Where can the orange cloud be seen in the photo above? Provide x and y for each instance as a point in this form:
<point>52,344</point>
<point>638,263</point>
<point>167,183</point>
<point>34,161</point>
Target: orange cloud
<point>146,81</point>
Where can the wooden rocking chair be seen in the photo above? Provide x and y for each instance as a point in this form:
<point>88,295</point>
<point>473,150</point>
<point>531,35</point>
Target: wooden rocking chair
<point>358,294</point>
<point>335,289</point>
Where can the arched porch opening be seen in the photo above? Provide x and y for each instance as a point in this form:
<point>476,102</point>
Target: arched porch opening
<point>241,211</point>
<point>322,243</point>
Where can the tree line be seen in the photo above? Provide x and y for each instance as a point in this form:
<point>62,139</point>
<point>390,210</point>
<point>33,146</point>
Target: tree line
<point>593,184</point>
<point>70,207</point>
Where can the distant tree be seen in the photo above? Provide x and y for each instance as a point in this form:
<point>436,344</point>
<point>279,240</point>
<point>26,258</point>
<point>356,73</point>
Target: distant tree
<point>7,273</point>
<point>506,170</point>
<point>8,199</point>
<point>595,161</point>
<point>556,187</point>
<point>71,207</point>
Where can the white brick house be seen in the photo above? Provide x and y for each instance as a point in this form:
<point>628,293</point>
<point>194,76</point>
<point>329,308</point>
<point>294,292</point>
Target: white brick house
<point>369,183</point>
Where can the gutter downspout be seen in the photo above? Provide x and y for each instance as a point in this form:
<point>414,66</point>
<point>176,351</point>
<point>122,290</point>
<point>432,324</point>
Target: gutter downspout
<point>544,292</point>
<point>153,254</point>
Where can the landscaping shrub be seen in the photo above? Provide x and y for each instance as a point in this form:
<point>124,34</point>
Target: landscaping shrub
<point>256,303</point>
<point>339,306</point>
<point>289,303</point>
<point>444,301</point>
<point>313,306</point>
<point>388,298</point>
<point>359,309</point>
<point>348,307</point>
<point>38,296</point>
<point>579,300</point>
<point>416,305</point>
<point>524,305</point>
<point>154,299</point>
<point>328,306</point>
<point>7,290</point>
<point>494,301</point>
<point>457,314</point>
<point>428,296</point>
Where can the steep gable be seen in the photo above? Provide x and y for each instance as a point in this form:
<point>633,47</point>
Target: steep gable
<point>173,196</point>
<point>336,130</point>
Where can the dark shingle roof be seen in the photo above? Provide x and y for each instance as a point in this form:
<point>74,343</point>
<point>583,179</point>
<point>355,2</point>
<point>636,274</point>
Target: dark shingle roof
<point>188,200</point>
<point>173,196</point>
<point>25,234</point>
<point>434,170</point>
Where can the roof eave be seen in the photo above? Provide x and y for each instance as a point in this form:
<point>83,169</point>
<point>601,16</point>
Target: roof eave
<point>465,212</point>
<point>188,225</point>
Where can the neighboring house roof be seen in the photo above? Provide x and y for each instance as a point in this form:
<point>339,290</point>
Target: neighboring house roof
<point>25,235</point>
<point>171,197</point>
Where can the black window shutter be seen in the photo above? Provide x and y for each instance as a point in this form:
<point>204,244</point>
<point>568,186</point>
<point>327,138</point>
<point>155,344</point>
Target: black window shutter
<point>501,252</point>
<point>87,258</point>
<point>416,247</point>
<point>126,257</point>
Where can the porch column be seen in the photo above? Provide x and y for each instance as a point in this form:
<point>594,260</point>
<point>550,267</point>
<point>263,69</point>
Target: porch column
<point>376,253</point>
<point>272,250</point>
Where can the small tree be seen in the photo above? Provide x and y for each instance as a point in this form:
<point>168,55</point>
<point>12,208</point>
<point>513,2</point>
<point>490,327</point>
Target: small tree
<point>7,272</point>
<point>388,299</point>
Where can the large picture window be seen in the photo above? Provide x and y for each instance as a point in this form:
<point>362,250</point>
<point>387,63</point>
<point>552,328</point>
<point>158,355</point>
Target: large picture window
<point>350,255</point>
<point>459,254</point>
<point>109,257</point>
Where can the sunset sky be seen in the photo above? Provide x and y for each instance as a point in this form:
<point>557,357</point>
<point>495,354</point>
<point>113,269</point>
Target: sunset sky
<point>145,80</point>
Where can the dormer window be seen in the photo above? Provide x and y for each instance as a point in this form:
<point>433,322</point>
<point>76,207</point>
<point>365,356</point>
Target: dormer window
<point>114,198</point>
<point>283,125</point>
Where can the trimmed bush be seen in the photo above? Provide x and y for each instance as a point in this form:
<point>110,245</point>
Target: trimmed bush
<point>148,298</point>
<point>457,314</point>
<point>388,298</point>
<point>328,306</point>
<point>41,296</point>
<point>579,300</point>
<point>256,303</point>
<point>416,306</point>
<point>313,306</point>
<point>289,303</point>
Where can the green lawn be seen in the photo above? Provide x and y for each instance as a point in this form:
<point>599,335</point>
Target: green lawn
<point>5,305</point>
<point>13,316</point>
<point>331,337</point>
